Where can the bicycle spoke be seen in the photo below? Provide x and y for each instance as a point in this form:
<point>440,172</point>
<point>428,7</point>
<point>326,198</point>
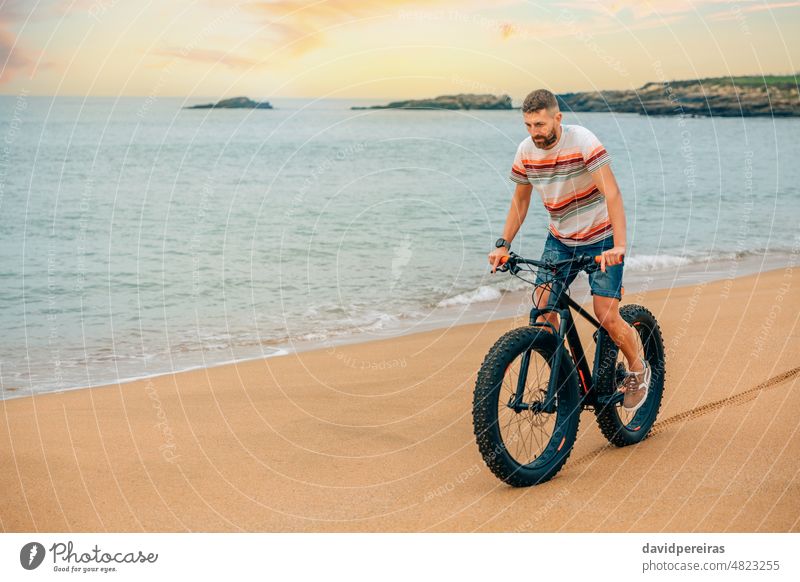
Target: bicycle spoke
<point>525,433</point>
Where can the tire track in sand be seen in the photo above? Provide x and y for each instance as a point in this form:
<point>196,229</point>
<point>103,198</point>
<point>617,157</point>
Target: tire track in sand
<point>702,410</point>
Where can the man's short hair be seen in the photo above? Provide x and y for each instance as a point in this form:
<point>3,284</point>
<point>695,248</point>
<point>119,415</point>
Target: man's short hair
<point>539,99</point>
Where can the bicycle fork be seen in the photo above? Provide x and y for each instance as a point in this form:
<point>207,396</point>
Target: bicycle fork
<point>548,405</point>
<point>566,330</point>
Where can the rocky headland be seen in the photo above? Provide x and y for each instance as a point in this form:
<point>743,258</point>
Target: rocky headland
<point>234,103</point>
<point>770,96</point>
<point>460,101</point>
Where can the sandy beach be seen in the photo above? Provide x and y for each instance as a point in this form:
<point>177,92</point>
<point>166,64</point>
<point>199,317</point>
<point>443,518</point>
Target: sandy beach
<point>377,436</point>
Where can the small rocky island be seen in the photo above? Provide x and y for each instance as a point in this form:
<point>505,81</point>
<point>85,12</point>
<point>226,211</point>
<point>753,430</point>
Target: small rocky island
<point>234,103</point>
<point>755,96</point>
<point>460,101</point>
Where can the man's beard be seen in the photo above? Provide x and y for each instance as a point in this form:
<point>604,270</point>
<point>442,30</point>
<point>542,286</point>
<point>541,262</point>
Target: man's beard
<point>548,141</point>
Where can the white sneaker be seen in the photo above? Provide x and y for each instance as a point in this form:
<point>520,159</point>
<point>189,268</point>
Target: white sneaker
<point>636,387</point>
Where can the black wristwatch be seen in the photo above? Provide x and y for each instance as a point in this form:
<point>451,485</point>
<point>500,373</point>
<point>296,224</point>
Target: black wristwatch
<point>501,242</point>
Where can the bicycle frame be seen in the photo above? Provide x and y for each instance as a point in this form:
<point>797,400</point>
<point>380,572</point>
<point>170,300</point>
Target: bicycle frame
<point>563,304</point>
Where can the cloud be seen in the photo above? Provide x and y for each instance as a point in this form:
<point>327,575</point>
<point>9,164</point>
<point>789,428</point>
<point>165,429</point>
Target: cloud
<point>732,13</point>
<point>296,27</point>
<point>209,56</point>
<point>301,26</point>
<point>584,19</point>
<point>638,10</point>
<point>12,58</point>
<point>292,28</point>
<point>15,57</point>
<point>595,17</point>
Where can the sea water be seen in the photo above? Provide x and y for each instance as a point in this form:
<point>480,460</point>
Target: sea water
<point>141,238</point>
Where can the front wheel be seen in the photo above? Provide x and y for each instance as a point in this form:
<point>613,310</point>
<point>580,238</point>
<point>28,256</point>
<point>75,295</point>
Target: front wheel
<point>622,428</point>
<point>521,444</point>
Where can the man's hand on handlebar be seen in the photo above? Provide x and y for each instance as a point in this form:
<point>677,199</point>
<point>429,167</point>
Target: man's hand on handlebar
<point>496,255</point>
<point>611,257</point>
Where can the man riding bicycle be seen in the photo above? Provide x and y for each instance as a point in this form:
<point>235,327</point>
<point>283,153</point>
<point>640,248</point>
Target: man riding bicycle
<point>571,170</point>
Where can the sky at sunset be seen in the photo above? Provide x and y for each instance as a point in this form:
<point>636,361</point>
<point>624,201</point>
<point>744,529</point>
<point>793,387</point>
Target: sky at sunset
<point>384,48</point>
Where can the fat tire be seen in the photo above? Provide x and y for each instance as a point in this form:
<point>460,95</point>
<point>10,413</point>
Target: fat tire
<point>485,405</point>
<point>611,425</point>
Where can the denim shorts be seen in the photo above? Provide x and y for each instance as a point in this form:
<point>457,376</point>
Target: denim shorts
<point>605,284</point>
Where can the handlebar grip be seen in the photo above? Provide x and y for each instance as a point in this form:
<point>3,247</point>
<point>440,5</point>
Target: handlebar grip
<point>503,260</point>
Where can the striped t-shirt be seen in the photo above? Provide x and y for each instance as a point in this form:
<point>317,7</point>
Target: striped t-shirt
<point>578,213</point>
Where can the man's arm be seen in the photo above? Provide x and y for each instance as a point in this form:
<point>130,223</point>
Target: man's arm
<point>607,184</point>
<point>516,216</point>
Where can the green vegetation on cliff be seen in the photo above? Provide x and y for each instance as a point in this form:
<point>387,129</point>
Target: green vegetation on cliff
<point>748,96</point>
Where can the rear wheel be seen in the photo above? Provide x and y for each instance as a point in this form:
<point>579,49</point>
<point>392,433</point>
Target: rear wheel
<point>622,428</point>
<point>521,444</point>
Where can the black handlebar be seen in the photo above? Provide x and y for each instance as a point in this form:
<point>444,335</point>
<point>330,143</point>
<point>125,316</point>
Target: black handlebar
<point>513,260</point>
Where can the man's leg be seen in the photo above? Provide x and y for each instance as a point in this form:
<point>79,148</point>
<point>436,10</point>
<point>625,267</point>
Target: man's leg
<point>606,309</point>
<point>541,294</point>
